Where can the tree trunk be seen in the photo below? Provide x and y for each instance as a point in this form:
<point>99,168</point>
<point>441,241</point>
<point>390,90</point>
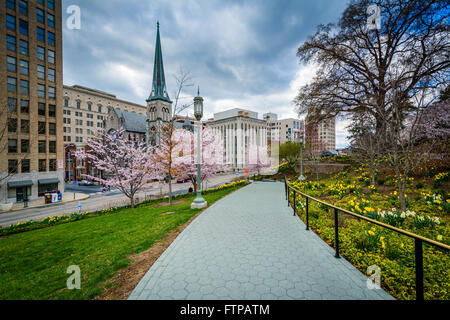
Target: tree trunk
<point>170,190</point>
<point>132,201</point>
<point>401,192</point>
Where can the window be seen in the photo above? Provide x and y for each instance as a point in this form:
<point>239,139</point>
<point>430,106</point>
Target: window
<point>69,139</point>
<point>23,27</point>
<point>10,43</point>
<point>78,105</point>
<point>40,1</point>
<point>23,7</point>
<point>41,72</point>
<point>12,84</point>
<point>51,75</point>
<point>10,22</point>
<point>11,4</point>
<point>41,109</point>
<point>52,146</point>
<point>51,38</point>
<point>52,165</point>
<point>12,166</point>
<point>24,106</point>
<point>100,109</point>
<point>24,87</point>
<point>11,64</point>
<point>41,90</point>
<point>40,15</point>
<point>42,146</point>
<point>52,129</point>
<point>12,105</point>
<point>51,93</point>
<point>51,56</point>
<point>25,146</point>
<point>66,103</point>
<point>52,110</point>
<point>40,34</point>
<point>41,127</point>
<point>50,20</point>
<point>12,145</point>
<point>89,107</point>
<point>24,67</point>
<point>25,126</point>
<point>40,53</point>
<point>42,165</point>
<point>25,166</point>
<point>51,4</point>
<point>67,120</point>
<point>23,47</point>
<point>12,125</point>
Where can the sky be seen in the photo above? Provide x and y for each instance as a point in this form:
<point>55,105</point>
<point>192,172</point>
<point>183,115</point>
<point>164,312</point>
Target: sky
<point>242,54</point>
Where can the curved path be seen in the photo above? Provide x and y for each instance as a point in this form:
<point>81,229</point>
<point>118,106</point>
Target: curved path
<point>249,246</point>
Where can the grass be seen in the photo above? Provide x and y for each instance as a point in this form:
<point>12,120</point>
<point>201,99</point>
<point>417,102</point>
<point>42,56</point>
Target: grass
<point>33,264</point>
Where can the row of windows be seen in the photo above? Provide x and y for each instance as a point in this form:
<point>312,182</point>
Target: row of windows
<point>25,146</point>
<point>25,127</point>
<point>11,65</point>
<point>25,88</point>
<point>23,29</point>
<point>13,165</point>
<point>23,5</point>
<point>66,104</point>
<point>23,49</point>
<point>25,107</point>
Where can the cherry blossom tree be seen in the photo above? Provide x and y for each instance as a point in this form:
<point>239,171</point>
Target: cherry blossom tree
<point>128,165</point>
<point>257,158</point>
<point>211,156</point>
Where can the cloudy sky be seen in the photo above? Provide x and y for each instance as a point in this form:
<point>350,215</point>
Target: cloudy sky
<point>241,53</point>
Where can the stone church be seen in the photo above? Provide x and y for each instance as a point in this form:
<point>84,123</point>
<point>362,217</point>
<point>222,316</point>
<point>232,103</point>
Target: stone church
<point>159,108</point>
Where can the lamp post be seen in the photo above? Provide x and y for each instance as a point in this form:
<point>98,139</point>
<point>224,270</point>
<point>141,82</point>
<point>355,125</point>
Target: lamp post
<point>301,178</point>
<point>199,202</point>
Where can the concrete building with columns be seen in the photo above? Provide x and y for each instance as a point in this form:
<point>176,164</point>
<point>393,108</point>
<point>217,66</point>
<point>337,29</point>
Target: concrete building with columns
<point>238,129</point>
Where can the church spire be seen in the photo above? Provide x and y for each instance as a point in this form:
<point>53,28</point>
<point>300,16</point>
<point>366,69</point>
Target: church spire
<point>159,90</point>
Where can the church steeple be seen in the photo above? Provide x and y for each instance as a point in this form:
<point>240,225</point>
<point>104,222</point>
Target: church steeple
<point>159,90</point>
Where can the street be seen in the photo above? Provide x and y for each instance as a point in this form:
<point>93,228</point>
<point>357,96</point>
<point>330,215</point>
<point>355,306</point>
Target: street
<point>98,200</point>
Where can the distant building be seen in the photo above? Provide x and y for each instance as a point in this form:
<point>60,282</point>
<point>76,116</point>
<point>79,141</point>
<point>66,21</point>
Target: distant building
<point>286,130</point>
<point>320,135</point>
<point>238,129</point>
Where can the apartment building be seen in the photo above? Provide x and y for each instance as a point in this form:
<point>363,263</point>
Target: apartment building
<point>285,130</point>
<point>31,99</point>
<point>87,110</point>
<point>238,129</point>
<point>320,135</point>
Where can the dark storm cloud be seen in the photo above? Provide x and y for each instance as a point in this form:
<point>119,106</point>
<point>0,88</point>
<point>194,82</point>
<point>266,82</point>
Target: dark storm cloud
<point>237,51</point>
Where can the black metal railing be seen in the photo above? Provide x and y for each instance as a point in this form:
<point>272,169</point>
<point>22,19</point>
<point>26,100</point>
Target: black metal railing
<point>418,240</point>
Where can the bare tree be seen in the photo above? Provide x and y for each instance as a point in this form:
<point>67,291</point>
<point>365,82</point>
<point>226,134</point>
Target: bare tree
<point>170,140</point>
<point>363,70</point>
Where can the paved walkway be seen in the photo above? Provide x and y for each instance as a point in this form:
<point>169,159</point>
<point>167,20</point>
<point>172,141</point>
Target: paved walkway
<point>249,246</point>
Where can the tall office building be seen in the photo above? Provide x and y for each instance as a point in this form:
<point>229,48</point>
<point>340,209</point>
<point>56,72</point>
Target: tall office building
<point>31,99</point>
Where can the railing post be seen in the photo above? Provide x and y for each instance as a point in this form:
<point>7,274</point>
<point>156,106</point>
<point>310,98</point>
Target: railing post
<point>285,188</point>
<point>295,206</point>
<point>288,196</point>
<point>336,232</point>
<point>419,269</point>
<point>307,213</point>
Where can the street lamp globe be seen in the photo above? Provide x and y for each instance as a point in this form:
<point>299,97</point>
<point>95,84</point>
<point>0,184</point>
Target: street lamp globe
<point>198,106</point>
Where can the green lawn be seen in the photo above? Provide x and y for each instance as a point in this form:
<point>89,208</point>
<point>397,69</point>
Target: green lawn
<point>33,264</point>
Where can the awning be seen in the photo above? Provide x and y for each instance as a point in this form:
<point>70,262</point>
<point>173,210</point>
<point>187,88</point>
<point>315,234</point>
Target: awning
<point>20,184</point>
<point>48,181</point>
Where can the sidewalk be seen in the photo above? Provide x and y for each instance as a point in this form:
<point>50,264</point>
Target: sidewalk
<point>249,246</point>
<point>40,203</point>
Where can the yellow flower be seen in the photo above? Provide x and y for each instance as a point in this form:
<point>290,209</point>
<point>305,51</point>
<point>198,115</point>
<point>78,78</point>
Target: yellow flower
<point>402,245</point>
<point>439,238</point>
<point>381,238</point>
<point>370,232</point>
<point>383,245</point>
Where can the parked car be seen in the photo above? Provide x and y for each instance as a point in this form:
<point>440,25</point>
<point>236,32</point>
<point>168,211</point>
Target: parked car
<point>86,183</point>
<point>183,180</point>
<point>329,153</point>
